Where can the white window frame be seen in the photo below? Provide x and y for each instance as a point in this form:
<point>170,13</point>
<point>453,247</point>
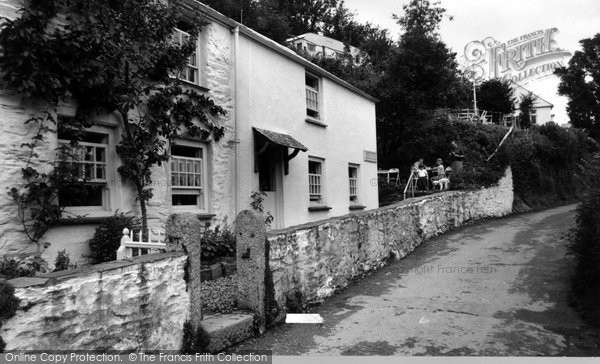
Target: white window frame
<point>201,191</point>
<point>353,184</point>
<point>109,182</point>
<point>533,116</point>
<point>316,183</point>
<point>179,37</point>
<point>310,92</point>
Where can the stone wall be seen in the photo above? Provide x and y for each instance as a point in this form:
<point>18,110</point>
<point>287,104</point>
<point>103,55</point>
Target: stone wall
<point>136,305</point>
<point>318,258</point>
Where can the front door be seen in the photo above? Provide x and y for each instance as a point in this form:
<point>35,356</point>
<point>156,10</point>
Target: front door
<point>271,183</point>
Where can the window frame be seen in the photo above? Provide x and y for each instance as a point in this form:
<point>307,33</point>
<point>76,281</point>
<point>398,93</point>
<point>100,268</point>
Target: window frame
<point>109,183</point>
<point>202,206</point>
<point>320,201</point>
<point>179,34</point>
<point>318,90</point>
<point>356,179</point>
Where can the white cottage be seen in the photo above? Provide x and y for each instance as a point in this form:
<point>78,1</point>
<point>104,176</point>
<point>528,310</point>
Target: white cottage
<point>295,132</point>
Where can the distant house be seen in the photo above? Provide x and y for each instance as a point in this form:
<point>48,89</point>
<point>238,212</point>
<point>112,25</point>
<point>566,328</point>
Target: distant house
<point>317,45</point>
<point>297,133</point>
<point>542,109</point>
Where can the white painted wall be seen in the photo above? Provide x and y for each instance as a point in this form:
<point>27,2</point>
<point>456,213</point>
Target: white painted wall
<point>273,97</point>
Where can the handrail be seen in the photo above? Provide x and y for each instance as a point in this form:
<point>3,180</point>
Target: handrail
<point>409,183</point>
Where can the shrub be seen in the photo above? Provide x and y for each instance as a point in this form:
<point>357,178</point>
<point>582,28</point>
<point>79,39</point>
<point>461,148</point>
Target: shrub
<point>586,248</point>
<point>8,302</point>
<point>218,242</point>
<point>107,238</point>
<point>546,160</point>
<point>62,261</point>
<point>21,267</point>
<point>219,295</point>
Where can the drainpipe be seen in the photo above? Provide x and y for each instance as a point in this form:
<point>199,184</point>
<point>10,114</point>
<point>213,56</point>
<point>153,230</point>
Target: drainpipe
<point>236,141</point>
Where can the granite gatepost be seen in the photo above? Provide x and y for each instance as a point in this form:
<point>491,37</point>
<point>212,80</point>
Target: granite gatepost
<point>184,232</point>
<point>250,235</point>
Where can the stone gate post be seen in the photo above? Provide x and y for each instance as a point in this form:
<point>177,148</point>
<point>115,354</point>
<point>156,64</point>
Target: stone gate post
<point>250,236</point>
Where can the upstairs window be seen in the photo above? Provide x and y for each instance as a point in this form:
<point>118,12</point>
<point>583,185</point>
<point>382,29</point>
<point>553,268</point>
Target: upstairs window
<point>312,96</point>
<point>190,71</point>
<point>188,176</point>
<point>315,180</point>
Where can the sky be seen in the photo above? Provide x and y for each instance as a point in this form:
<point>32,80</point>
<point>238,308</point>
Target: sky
<point>502,20</point>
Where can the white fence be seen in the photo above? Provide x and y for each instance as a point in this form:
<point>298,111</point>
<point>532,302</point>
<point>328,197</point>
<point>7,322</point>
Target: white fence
<point>129,247</point>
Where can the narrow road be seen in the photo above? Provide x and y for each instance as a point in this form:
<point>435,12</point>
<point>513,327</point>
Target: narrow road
<point>497,288</point>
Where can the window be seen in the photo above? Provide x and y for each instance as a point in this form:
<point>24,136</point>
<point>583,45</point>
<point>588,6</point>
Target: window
<point>533,116</point>
<point>190,72</point>
<point>353,182</point>
<point>89,163</point>
<point>312,96</point>
<point>188,176</point>
<point>315,180</point>
<point>311,47</point>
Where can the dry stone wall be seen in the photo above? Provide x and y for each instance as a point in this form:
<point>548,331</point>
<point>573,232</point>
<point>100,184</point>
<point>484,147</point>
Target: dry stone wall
<point>314,260</point>
<point>136,305</point>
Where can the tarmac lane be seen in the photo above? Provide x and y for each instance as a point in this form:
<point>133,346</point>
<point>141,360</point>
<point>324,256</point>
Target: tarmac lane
<point>495,288</point>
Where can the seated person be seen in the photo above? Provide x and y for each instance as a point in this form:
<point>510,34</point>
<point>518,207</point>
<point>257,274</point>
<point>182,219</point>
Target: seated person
<point>417,164</point>
<point>422,175</point>
<point>440,175</point>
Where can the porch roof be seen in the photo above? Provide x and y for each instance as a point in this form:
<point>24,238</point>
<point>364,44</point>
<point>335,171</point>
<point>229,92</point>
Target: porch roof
<point>281,139</point>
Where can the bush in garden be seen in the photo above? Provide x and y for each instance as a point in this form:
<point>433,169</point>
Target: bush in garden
<point>107,238</point>
<point>63,261</point>
<point>218,242</point>
<point>21,267</point>
<point>8,305</point>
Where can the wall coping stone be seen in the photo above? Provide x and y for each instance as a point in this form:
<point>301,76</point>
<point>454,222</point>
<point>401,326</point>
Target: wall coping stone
<point>358,213</point>
<point>55,277</point>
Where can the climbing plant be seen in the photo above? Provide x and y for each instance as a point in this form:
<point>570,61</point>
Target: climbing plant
<point>103,56</point>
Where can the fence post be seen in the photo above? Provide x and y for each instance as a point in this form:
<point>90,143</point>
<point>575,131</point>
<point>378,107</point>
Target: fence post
<point>250,258</point>
<point>122,251</point>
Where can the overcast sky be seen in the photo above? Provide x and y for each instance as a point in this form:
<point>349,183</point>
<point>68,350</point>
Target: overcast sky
<point>502,20</point>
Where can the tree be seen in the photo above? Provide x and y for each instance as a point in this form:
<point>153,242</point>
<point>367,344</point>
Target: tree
<point>525,109</point>
<point>496,96</point>
<point>580,82</point>
<point>107,57</point>
<point>421,75</point>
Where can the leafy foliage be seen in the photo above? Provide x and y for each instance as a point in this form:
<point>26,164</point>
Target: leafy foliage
<point>217,242</point>
<point>580,82</point>
<point>257,199</point>
<point>8,305</point>
<point>107,237</point>
<point>496,96</point>
<point>109,57</point>
<point>62,261</point>
<point>586,248</point>
<point>525,108</point>
<point>22,267</point>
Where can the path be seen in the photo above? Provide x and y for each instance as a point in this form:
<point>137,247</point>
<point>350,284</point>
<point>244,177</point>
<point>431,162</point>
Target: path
<point>498,288</point>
